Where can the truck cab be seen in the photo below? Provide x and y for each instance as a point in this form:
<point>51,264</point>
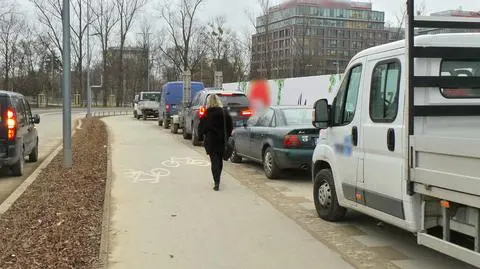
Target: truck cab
<point>146,104</point>
<point>401,141</point>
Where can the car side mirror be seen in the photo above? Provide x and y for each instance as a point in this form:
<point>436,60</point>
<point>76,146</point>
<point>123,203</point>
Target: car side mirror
<point>321,114</point>
<point>36,119</point>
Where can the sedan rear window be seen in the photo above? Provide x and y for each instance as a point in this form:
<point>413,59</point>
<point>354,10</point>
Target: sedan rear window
<point>297,116</point>
<point>461,69</point>
<point>233,99</point>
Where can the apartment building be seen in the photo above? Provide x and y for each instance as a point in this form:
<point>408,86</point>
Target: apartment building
<point>314,37</point>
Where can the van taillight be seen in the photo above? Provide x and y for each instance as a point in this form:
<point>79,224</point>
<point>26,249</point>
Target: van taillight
<point>11,124</point>
<point>201,112</point>
<point>167,108</point>
<point>291,141</point>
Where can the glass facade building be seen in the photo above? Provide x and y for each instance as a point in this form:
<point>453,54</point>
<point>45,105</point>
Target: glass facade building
<point>314,37</point>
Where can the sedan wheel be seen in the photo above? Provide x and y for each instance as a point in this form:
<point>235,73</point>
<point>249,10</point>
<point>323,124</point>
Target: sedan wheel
<point>235,158</point>
<point>269,165</point>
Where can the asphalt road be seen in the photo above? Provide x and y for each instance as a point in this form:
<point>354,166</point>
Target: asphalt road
<point>363,240</point>
<point>50,137</point>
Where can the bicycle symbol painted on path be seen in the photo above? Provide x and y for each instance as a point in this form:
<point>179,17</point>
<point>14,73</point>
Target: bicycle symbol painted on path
<point>154,175</point>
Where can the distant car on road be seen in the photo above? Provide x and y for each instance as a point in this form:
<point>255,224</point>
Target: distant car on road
<point>235,101</point>
<point>279,137</point>
<point>172,95</point>
<point>18,135</point>
<point>146,105</point>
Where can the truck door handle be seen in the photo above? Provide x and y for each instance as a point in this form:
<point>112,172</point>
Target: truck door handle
<point>391,139</point>
<point>355,136</point>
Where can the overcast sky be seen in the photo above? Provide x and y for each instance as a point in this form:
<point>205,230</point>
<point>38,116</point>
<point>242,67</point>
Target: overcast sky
<point>234,10</point>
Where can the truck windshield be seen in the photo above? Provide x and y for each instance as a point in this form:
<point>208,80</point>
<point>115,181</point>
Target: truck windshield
<point>461,69</point>
<point>150,96</point>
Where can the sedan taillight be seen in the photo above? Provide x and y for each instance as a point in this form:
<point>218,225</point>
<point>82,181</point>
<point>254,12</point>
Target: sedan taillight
<point>291,141</point>
<point>202,112</point>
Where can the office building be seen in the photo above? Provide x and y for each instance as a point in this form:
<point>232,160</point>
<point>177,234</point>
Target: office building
<point>314,37</point>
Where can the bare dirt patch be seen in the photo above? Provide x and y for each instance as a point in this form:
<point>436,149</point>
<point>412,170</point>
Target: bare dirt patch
<point>57,222</point>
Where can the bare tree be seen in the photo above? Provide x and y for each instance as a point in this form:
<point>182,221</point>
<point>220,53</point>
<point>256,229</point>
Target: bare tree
<point>127,11</point>
<point>105,20</point>
<point>50,15</point>
<point>183,31</point>
<point>11,27</point>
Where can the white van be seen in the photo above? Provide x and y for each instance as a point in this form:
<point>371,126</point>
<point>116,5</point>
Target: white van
<point>407,154</point>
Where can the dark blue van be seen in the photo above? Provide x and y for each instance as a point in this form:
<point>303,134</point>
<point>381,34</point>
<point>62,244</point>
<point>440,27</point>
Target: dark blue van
<point>172,95</point>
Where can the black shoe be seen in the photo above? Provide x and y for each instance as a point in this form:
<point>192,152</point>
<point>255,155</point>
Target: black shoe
<point>216,188</point>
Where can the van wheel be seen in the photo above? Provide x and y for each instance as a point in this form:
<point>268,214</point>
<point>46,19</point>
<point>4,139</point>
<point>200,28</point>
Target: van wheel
<point>269,165</point>
<point>18,167</point>
<point>160,122</point>
<point>135,114</point>
<point>325,197</point>
<point>33,156</point>
<point>195,138</point>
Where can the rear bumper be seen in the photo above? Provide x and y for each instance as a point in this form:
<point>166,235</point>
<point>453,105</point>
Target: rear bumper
<point>9,158</point>
<point>293,158</point>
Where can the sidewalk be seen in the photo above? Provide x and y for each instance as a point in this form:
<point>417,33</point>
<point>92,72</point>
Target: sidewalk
<point>171,218</point>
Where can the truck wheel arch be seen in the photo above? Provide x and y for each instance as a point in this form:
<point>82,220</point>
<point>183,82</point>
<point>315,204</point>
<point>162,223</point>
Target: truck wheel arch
<point>318,166</point>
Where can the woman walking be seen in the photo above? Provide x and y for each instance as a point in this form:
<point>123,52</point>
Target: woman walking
<point>215,127</point>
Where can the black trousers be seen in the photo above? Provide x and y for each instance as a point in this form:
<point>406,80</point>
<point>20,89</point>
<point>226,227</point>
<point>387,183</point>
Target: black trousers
<point>216,158</point>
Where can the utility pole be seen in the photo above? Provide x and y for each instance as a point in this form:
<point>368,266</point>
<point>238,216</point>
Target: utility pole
<point>66,87</point>
<point>89,88</point>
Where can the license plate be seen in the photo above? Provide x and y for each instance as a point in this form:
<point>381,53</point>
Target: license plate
<point>239,123</point>
<point>233,113</point>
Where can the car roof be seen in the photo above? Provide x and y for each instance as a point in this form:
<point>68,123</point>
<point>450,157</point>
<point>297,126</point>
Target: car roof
<point>10,94</point>
<point>216,91</point>
<point>432,40</point>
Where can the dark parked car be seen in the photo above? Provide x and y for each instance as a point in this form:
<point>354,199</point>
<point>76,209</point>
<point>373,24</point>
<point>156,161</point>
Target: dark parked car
<point>236,102</point>
<point>18,135</point>
<point>279,138</point>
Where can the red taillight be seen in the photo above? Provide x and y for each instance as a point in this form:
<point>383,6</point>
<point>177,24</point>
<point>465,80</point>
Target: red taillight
<point>246,113</point>
<point>291,141</point>
<point>11,124</point>
<point>201,112</point>
<point>167,107</point>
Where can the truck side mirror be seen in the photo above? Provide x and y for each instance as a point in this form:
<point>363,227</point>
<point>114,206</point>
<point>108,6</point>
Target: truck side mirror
<point>321,114</point>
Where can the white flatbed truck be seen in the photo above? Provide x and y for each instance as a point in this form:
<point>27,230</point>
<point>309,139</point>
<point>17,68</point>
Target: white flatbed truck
<point>401,140</point>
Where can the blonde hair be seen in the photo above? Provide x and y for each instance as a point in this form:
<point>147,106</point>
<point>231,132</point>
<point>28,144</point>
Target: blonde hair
<point>213,101</point>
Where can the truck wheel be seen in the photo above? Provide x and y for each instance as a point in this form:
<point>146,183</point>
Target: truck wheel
<point>325,197</point>
<point>33,156</point>
<point>269,165</point>
<point>135,114</point>
<point>195,138</point>
<point>18,168</point>
<point>175,128</point>
<point>165,123</point>
<point>144,116</point>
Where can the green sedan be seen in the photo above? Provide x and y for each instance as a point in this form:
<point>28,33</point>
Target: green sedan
<point>279,137</point>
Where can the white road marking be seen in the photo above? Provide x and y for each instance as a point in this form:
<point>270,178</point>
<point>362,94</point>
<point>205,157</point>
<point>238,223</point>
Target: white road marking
<point>141,176</point>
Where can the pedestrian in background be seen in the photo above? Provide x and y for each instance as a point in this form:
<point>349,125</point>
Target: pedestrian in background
<point>216,127</point>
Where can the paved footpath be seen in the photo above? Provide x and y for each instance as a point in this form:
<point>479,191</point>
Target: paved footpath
<point>164,214</point>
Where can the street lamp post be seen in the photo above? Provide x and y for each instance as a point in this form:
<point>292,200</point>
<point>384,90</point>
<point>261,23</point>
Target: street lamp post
<point>66,87</point>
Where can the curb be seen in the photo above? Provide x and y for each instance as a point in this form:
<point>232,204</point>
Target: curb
<point>17,193</point>
<point>105,237</point>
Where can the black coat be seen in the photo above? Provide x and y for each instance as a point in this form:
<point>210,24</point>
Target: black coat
<point>212,127</point>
